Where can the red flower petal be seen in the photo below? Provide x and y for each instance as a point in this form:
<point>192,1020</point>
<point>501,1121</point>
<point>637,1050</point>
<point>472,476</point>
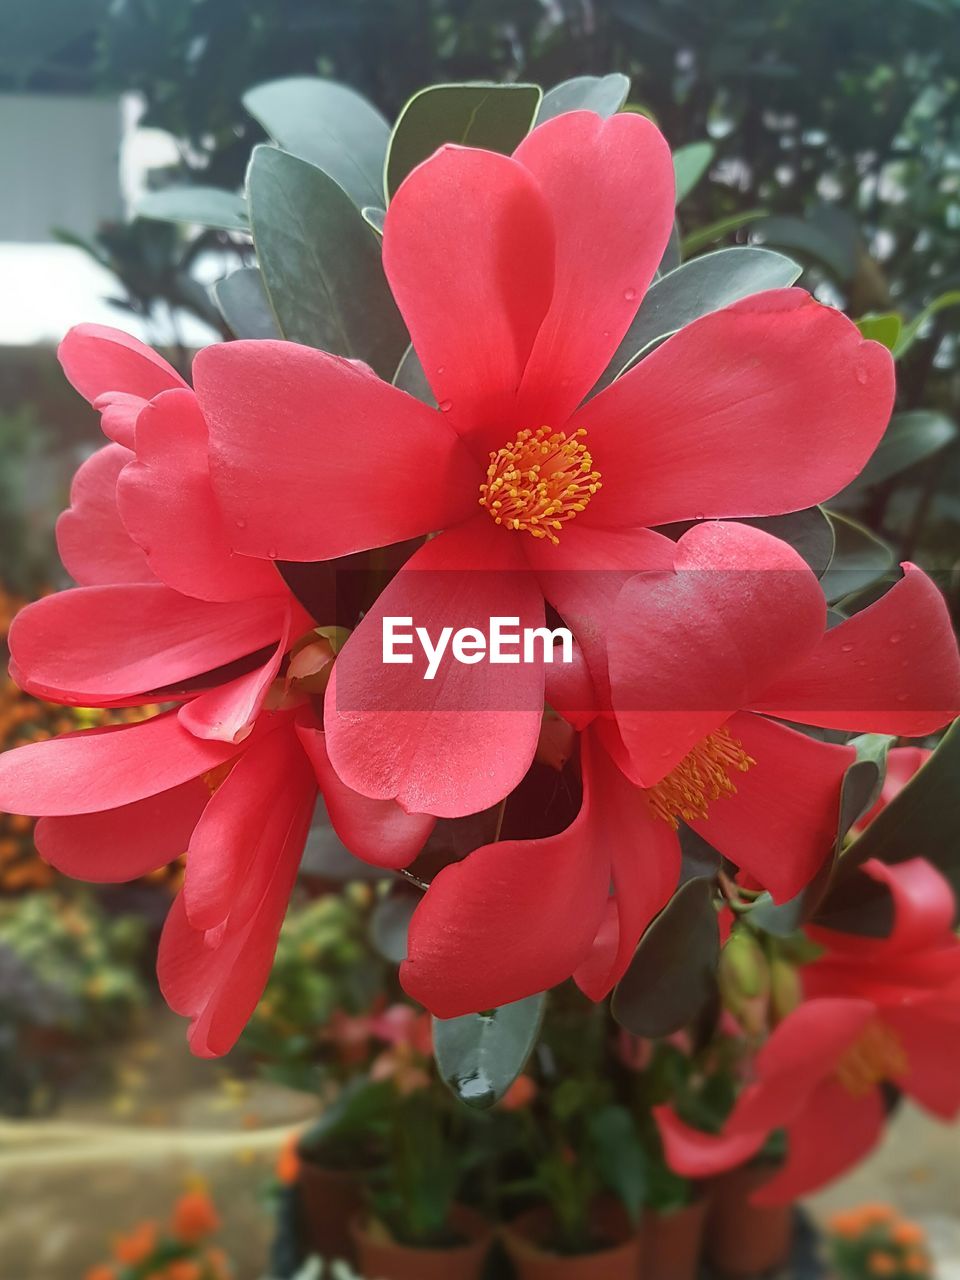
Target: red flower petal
<point>892,668</point>
<point>235,845</point>
<point>610,187</point>
<point>387,727</point>
<point>718,420</point>
<point>468,248</point>
<point>932,1045</point>
<point>695,1154</point>
<point>167,503</point>
<point>125,843</point>
<point>100,361</point>
<point>101,769</point>
<point>93,542</point>
<point>314,457</point>
<point>781,824</point>
<point>378,831</point>
<point>688,649</point>
<point>645,857</point>
<point>834,1133</point>
<point>97,645</point>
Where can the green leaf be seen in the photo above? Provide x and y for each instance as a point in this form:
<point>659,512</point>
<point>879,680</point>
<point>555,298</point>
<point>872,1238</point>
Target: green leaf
<point>883,328</point>
<point>810,239</point>
<point>859,559</point>
<point>480,1055</point>
<point>673,973</point>
<point>604,95</point>
<point>809,532</point>
<point>690,163</point>
<point>244,304</point>
<point>717,230</point>
<point>693,290</point>
<point>390,922</point>
<point>411,378</point>
<point>374,217</point>
<point>331,126</point>
<point>321,263</point>
<point>921,821</point>
<point>496,117</point>
<point>911,332</point>
<point>861,785</point>
<point>910,437</point>
<point>206,206</point>
<point>619,1155</point>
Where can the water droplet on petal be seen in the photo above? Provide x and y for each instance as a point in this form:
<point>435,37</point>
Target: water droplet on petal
<point>241,524</point>
<point>445,406</point>
<point>272,553</point>
<point>846,648</point>
<point>896,637</point>
<point>441,369</point>
<point>629,294</point>
<point>863,376</point>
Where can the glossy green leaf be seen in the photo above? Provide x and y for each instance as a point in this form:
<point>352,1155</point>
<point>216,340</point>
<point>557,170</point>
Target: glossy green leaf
<point>921,821</point>
<point>390,921</point>
<point>204,206</point>
<point>244,304</point>
<point>374,217</point>
<point>604,95</point>
<point>690,163</point>
<point>859,559</point>
<point>884,328</point>
<point>411,378</point>
<point>911,332</point>
<point>321,263</point>
<point>695,289</point>
<point>703,236</point>
<point>496,117</point>
<point>809,532</point>
<point>911,437</point>
<point>673,973</point>
<point>480,1055</point>
<point>331,126</point>
<point>810,239</point>
<point>861,785</point>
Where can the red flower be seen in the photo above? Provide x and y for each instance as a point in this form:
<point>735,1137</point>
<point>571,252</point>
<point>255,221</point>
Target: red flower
<point>739,624</point>
<point>518,277</point>
<point>879,1010</point>
<point>232,775</point>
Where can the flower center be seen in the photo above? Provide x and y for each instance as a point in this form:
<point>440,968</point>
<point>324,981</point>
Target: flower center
<point>701,776</point>
<point>877,1055</point>
<point>540,481</point>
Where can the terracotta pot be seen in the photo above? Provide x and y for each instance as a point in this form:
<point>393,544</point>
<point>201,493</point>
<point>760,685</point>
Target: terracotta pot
<point>382,1258</point>
<point>743,1239</point>
<point>527,1238</point>
<point>329,1198</point>
<point>670,1242</point>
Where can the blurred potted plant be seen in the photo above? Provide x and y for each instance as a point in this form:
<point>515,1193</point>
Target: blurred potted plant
<point>415,1227</point>
<point>180,1249</point>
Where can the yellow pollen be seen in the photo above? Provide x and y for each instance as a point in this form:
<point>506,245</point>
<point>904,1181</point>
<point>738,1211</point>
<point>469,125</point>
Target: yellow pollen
<point>701,776</point>
<point>877,1055</point>
<point>540,481</point>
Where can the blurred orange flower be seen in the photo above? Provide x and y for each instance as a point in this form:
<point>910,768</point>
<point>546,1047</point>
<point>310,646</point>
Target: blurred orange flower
<point>194,1217</point>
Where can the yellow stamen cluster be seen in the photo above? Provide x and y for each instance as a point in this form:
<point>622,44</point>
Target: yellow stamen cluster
<point>877,1055</point>
<point>701,776</point>
<point>540,481</point>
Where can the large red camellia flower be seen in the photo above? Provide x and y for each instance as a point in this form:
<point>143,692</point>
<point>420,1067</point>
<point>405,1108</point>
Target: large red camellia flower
<point>232,775</point>
<point>518,278</point>
<point>875,1011</point>
<point>732,635</point>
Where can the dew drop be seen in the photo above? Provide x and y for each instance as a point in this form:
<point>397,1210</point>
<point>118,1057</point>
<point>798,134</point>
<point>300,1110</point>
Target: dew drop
<point>241,524</point>
<point>700,515</point>
<point>272,553</point>
<point>896,637</point>
<point>629,294</point>
<point>862,375</point>
<point>445,406</point>
<point>846,648</point>
<point>441,369</point>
